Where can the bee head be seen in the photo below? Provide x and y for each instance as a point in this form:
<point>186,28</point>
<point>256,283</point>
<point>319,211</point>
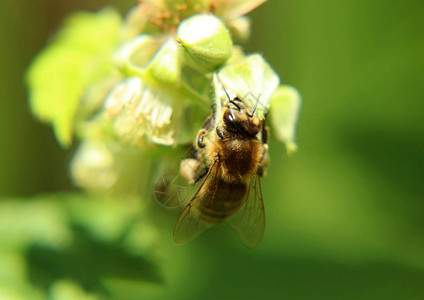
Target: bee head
<point>237,120</point>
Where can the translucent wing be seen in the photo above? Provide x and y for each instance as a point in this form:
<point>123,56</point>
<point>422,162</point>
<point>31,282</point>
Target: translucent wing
<point>250,220</point>
<point>189,224</point>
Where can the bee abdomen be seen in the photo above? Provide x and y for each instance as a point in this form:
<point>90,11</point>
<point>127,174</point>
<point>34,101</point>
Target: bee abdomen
<point>222,203</point>
<point>211,215</point>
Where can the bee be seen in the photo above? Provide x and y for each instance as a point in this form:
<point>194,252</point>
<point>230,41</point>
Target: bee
<point>231,156</point>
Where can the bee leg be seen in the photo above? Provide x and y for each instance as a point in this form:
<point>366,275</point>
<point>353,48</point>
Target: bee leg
<point>206,127</point>
<point>189,168</point>
<point>263,162</point>
<point>265,134</point>
<point>201,174</point>
<point>200,136</point>
<point>220,133</point>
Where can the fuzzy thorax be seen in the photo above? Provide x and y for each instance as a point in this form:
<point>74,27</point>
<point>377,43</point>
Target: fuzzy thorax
<point>237,159</point>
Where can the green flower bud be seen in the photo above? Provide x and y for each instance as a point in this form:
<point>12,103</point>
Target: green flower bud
<point>285,105</point>
<point>206,42</point>
<point>109,167</point>
<point>165,67</point>
<point>239,28</point>
<point>92,167</point>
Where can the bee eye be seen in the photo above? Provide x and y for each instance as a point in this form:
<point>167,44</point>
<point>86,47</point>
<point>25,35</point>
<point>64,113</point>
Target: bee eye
<point>200,142</point>
<point>228,116</point>
<point>231,121</point>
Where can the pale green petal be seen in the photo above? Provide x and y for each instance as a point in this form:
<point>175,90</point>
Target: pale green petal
<point>252,80</point>
<point>232,9</point>
<point>133,56</point>
<point>140,111</point>
<point>239,28</point>
<point>285,105</point>
<point>134,22</point>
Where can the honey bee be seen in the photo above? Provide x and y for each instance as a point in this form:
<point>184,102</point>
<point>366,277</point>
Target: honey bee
<point>231,156</point>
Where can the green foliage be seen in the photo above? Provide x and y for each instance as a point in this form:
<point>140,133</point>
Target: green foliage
<point>69,243</point>
<point>344,215</point>
<point>134,92</point>
<point>79,56</point>
<point>132,88</point>
<point>152,88</point>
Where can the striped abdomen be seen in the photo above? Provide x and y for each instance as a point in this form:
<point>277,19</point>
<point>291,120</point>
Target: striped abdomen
<point>221,201</point>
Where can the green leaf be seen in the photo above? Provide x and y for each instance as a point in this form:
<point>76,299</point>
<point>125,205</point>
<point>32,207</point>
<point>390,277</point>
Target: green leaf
<point>39,221</point>
<point>87,240</point>
<point>79,55</point>
<point>285,105</point>
<point>13,281</point>
<point>20,291</point>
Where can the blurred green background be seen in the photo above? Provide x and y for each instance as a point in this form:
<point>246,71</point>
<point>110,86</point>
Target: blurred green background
<point>345,215</point>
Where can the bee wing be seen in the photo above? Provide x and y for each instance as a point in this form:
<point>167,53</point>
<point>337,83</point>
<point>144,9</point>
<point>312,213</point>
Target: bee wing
<point>189,224</point>
<point>250,220</point>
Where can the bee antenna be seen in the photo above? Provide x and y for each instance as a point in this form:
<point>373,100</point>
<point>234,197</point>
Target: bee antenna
<point>254,109</point>
<point>235,104</point>
<point>226,93</point>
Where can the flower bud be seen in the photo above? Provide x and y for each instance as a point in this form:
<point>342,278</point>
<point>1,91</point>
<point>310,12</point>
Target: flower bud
<point>206,42</point>
<point>164,67</point>
<point>285,105</point>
